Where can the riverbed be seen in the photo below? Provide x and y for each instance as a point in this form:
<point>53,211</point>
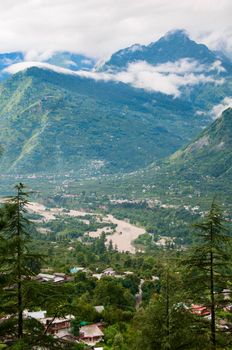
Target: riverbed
<point>122,237</point>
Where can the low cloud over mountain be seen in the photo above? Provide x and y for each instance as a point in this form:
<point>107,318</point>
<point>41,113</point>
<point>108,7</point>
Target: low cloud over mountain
<point>167,78</point>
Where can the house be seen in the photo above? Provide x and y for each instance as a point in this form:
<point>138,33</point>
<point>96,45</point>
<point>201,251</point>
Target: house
<point>38,315</point>
<point>109,272</point>
<point>58,326</point>
<point>91,334</point>
<point>76,269</point>
<point>57,277</point>
<point>99,308</point>
<point>226,294</point>
<point>45,277</point>
<point>200,310</point>
<point>69,338</point>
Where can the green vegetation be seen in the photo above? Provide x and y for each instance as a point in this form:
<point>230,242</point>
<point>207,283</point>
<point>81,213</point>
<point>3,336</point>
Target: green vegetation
<point>65,123</point>
<point>165,197</point>
<point>209,262</point>
<point>149,307</point>
<point>175,291</point>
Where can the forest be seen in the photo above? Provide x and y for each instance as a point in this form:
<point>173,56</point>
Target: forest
<point>172,297</point>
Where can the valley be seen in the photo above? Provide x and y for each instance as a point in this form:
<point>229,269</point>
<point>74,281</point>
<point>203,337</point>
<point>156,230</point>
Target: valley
<point>122,235</point>
<point>115,192</point>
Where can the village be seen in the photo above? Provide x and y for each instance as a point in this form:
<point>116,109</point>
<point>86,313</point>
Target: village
<point>92,334</point>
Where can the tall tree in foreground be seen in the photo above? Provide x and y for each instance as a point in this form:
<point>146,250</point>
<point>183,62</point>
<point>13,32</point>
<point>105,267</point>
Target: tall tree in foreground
<point>15,259</point>
<point>209,262</point>
<point>166,323</point>
<point>18,290</point>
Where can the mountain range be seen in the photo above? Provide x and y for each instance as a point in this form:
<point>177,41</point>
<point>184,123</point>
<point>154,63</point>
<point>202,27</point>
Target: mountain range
<point>62,59</point>
<point>175,45</point>
<point>190,178</point>
<point>139,107</point>
<point>52,122</point>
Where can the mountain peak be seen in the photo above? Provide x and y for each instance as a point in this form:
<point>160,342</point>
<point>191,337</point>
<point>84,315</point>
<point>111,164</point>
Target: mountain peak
<point>227,114</point>
<point>176,34</point>
<point>173,46</point>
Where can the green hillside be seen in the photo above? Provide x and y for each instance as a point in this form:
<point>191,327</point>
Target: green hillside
<point>54,122</point>
<point>191,176</point>
<point>211,153</point>
<point>58,123</point>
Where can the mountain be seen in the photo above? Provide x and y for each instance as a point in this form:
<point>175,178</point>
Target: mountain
<point>211,153</point>
<point>208,157</point>
<point>71,61</point>
<point>175,45</point>
<point>177,65</point>
<point>63,59</point>
<point>53,122</point>
<point>188,179</point>
<point>7,59</point>
<point>202,168</point>
<point>93,122</point>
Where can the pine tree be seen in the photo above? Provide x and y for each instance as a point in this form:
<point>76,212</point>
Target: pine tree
<point>18,291</point>
<point>209,262</point>
<point>167,323</point>
<point>15,258</point>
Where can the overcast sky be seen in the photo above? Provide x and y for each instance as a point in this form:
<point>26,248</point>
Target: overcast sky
<point>99,27</point>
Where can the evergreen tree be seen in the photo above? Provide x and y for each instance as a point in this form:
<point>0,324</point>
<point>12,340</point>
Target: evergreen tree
<point>18,291</point>
<point>167,323</point>
<point>209,263</point>
<point>16,260</point>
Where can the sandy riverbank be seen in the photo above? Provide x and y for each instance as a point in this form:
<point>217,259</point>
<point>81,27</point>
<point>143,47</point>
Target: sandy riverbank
<point>123,236</point>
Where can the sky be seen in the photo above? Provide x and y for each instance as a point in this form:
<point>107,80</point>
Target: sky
<point>97,28</point>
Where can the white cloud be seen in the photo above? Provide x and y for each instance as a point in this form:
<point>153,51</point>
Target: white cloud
<point>166,78</point>
<point>70,63</point>
<point>99,27</point>
<point>217,66</point>
<point>86,61</point>
<point>18,67</point>
<point>219,40</point>
<point>34,55</point>
<point>218,109</point>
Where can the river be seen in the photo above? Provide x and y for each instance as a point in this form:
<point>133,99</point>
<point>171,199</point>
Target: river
<point>122,237</point>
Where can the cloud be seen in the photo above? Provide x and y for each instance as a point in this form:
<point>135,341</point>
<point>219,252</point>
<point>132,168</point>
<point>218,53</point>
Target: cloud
<point>97,28</point>
<point>18,67</point>
<point>87,61</point>
<point>219,40</point>
<point>167,78</point>
<point>34,55</point>
<point>218,109</point>
<point>217,66</point>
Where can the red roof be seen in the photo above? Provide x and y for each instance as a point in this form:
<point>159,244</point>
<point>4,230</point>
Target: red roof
<point>200,310</point>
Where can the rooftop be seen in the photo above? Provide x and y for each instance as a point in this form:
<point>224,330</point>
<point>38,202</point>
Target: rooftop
<point>90,331</point>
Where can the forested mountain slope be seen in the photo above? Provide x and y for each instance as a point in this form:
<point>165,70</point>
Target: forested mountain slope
<point>54,122</point>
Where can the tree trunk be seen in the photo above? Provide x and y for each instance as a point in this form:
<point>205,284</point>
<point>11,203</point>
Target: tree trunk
<point>19,283</point>
<point>212,301</point>
<point>167,311</point>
